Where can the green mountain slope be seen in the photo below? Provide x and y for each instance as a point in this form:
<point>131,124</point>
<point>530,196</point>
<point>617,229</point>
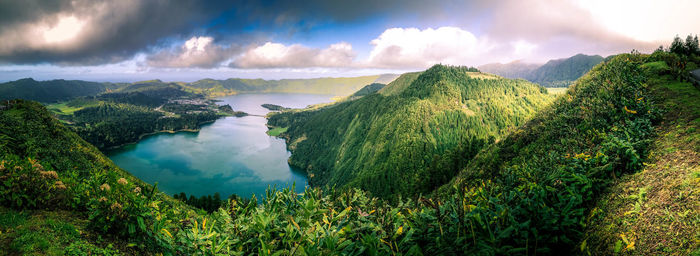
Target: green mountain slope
<point>51,91</point>
<point>413,140</point>
<point>539,184</point>
<point>562,72</point>
<point>554,73</point>
<point>334,86</point>
<point>368,89</point>
<point>46,166</point>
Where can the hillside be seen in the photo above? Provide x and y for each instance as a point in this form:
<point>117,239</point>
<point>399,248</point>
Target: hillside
<point>554,73</point>
<point>562,72</point>
<point>412,140</point>
<point>333,86</point>
<point>52,91</point>
<point>549,174</point>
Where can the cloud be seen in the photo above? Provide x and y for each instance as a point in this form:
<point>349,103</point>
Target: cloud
<point>200,52</point>
<point>275,55</point>
<point>415,48</point>
<point>83,32</point>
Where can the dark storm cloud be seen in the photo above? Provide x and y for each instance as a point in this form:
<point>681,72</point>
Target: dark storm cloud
<point>112,30</point>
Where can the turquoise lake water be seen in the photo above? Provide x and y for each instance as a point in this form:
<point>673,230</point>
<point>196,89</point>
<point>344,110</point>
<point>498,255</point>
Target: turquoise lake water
<point>233,155</point>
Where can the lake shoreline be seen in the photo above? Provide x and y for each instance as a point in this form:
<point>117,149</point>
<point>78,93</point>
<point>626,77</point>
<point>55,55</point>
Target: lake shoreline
<point>142,136</point>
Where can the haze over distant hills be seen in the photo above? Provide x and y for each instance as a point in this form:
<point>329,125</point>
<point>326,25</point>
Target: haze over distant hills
<point>62,90</point>
<point>554,73</point>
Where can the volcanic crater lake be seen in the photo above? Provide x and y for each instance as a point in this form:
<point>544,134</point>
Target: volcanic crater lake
<point>233,155</point>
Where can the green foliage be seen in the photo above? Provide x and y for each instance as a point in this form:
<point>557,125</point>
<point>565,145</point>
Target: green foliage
<point>368,89</point>
<point>542,178</point>
<point>688,48</point>
<point>51,91</point>
<point>335,86</point>
<point>208,203</point>
<point>413,140</point>
<point>108,125</point>
<point>562,72</point>
<point>81,248</point>
<point>554,73</point>
<point>273,107</point>
<point>26,184</point>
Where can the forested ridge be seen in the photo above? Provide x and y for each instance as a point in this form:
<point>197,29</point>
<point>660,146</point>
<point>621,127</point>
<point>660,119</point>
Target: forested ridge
<point>414,140</point>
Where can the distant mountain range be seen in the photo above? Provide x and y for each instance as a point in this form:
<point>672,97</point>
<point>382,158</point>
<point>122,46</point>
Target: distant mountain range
<point>64,90</point>
<point>554,73</point>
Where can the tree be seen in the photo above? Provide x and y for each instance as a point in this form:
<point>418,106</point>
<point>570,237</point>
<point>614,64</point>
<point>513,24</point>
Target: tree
<point>677,46</point>
<point>691,45</point>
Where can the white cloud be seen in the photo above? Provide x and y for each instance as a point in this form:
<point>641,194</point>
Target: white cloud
<point>415,48</point>
<point>275,55</point>
<point>195,52</point>
<point>645,20</point>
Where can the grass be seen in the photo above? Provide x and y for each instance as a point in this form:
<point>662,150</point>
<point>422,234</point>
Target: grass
<point>277,131</point>
<point>49,233</point>
<point>556,90</point>
<point>657,211</point>
<point>63,108</point>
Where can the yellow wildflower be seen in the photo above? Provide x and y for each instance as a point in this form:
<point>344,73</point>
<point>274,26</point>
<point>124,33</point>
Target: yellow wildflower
<point>105,187</point>
<point>122,181</point>
<point>59,185</point>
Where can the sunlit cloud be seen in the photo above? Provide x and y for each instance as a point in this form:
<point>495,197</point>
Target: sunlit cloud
<point>413,47</point>
<point>67,28</point>
<point>195,52</point>
<point>276,55</point>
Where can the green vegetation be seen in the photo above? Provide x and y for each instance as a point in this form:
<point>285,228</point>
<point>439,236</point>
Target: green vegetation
<point>655,211</point>
<point>563,72</point>
<point>52,91</point>
<point>334,86</point>
<point>109,125</point>
<point>208,203</point>
<point>273,107</point>
<point>277,131</point>
<point>368,89</point>
<point>414,140</point>
<point>554,73</point>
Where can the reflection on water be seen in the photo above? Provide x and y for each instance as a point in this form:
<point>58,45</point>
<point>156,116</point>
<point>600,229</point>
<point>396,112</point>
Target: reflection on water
<point>232,155</point>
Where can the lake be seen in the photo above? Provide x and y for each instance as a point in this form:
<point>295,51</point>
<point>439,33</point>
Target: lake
<point>233,155</point>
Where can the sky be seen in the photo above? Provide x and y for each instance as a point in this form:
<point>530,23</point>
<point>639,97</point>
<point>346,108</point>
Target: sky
<point>188,40</point>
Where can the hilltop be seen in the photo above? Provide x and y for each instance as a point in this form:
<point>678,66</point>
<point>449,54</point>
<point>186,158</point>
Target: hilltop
<point>410,136</point>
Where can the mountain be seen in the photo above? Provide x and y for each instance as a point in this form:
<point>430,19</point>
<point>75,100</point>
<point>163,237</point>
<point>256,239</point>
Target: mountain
<point>413,135</point>
<point>368,89</point>
<point>594,172</point>
<point>65,90</point>
<point>334,86</point>
<point>515,69</point>
<point>53,90</point>
<point>562,72</point>
<point>554,73</point>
